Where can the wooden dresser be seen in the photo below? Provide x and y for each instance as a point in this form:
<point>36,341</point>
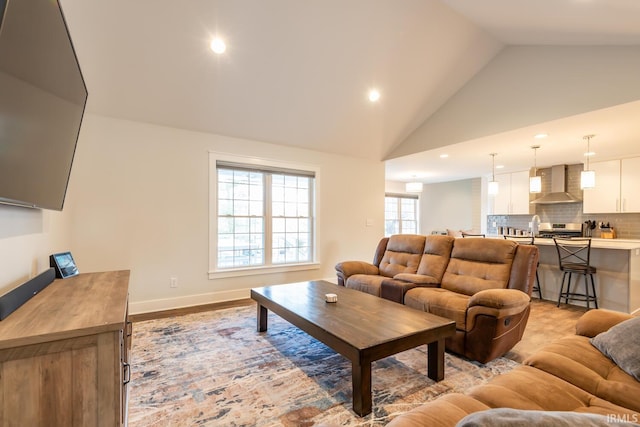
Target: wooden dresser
<point>64,354</point>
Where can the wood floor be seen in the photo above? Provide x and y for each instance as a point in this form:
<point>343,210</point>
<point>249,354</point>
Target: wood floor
<point>546,322</point>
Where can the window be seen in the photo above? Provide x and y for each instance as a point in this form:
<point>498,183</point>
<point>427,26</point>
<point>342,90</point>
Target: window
<point>263,216</point>
<point>400,214</point>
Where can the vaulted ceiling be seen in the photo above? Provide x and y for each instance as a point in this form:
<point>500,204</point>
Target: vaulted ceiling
<point>297,73</point>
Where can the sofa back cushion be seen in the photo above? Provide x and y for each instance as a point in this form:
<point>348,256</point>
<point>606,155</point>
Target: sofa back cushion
<point>402,255</point>
<point>479,264</point>
<point>437,251</point>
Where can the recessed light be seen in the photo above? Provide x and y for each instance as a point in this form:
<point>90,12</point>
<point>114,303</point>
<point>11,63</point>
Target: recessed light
<point>444,156</point>
<point>499,166</point>
<point>218,46</point>
<point>541,135</point>
<point>590,153</point>
<point>374,95</point>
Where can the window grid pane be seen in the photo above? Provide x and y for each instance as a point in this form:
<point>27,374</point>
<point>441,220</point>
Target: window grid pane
<point>242,218</point>
<point>401,215</point>
<point>291,220</point>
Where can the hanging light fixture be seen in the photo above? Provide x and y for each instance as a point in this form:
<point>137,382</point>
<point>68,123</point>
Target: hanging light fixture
<point>413,187</point>
<point>493,184</point>
<point>535,182</point>
<point>587,176</point>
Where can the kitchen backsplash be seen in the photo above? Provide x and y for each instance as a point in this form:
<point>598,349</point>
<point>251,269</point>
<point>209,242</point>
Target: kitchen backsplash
<point>627,225</point>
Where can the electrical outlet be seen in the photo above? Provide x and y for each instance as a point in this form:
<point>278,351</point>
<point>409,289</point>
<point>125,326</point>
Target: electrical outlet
<point>173,282</point>
<point>493,224</point>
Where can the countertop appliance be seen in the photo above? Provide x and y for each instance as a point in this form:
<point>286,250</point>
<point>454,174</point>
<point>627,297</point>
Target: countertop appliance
<point>549,230</point>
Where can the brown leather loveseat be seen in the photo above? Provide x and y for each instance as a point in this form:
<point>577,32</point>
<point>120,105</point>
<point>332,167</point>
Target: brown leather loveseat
<point>483,284</point>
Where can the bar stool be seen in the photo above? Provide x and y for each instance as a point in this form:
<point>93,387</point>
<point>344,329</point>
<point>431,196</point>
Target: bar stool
<point>574,256</point>
<point>528,240</point>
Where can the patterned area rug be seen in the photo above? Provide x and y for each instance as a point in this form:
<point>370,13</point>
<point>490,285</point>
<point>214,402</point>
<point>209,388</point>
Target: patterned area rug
<point>214,369</point>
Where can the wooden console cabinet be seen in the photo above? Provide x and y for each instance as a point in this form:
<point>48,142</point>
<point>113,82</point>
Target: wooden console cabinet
<point>64,355</point>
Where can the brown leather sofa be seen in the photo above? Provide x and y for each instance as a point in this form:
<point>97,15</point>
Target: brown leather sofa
<point>483,284</point>
<point>569,375</point>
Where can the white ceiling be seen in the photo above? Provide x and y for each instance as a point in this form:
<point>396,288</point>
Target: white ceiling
<point>297,73</point>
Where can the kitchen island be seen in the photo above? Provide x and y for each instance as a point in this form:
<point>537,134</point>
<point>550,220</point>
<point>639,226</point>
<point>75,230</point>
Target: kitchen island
<point>617,279</point>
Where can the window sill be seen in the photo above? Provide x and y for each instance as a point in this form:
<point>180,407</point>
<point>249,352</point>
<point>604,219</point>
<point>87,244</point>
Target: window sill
<point>250,271</point>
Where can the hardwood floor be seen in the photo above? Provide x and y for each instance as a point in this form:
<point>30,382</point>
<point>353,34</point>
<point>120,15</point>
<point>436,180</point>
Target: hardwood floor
<point>546,322</point>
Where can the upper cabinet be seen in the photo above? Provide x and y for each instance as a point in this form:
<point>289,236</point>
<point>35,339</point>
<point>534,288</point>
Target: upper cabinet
<point>513,194</point>
<point>614,187</point>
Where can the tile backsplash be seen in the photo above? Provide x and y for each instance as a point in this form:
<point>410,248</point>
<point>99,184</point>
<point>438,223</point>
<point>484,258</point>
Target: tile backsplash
<point>627,225</point>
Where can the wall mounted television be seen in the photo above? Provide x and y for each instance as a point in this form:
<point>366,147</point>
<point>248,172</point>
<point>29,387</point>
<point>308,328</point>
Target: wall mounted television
<point>42,102</point>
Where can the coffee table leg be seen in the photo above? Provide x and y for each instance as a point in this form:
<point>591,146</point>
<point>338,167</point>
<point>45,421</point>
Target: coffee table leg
<point>435,360</point>
<point>262,318</point>
<point>361,385</point>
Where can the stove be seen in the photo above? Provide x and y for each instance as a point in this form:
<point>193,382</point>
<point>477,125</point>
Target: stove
<point>550,230</point>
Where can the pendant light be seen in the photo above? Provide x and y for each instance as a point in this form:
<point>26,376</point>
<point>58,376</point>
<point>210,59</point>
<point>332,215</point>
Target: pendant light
<point>587,176</point>
<point>493,184</point>
<point>413,187</point>
<point>535,182</point>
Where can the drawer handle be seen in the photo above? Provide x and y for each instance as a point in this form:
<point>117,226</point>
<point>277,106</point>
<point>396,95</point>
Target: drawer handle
<point>126,373</point>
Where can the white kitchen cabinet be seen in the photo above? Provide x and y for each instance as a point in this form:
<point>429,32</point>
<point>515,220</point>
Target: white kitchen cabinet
<point>615,181</point>
<point>629,180</point>
<point>513,194</point>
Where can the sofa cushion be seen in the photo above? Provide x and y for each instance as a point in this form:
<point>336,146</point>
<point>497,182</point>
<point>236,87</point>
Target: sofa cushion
<point>435,258</point>
<point>622,345</point>
<point>529,388</point>
<point>576,361</point>
<point>365,283</point>
<point>440,302</point>
<point>479,264</point>
<point>507,417</point>
<point>402,255</point>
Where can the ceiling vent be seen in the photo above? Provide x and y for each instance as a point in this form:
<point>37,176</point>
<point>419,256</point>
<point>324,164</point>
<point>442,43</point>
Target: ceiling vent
<point>558,192</point>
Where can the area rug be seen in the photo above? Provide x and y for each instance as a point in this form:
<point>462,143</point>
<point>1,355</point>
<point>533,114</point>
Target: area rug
<point>214,369</point>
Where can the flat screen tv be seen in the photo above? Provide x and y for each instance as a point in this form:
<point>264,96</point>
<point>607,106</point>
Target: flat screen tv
<point>42,101</point>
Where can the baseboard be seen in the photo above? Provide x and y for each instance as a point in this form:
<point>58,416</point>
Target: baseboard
<point>164,304</point>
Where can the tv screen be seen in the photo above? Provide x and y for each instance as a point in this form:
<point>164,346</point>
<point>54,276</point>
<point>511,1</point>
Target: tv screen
<point>42,101</point>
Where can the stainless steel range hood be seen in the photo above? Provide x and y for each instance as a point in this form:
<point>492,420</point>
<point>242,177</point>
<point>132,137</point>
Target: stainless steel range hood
<point>558,188</point>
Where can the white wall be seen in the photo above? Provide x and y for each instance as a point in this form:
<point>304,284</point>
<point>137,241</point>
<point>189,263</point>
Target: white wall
<point>27,238</point>
<point>450,205</point>
<point>140,202</point>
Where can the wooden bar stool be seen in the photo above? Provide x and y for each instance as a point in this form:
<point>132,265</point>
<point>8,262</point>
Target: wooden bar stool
<point>528,240</point>
<point>574,256</point>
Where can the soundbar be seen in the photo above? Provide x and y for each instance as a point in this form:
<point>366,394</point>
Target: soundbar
<point>13,299</point>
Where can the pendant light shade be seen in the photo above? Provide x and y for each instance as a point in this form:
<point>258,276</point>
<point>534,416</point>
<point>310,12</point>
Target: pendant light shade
<point>587,176</point>
<point>413,187</point>
<point>493,184</point>
<point>535,182</point>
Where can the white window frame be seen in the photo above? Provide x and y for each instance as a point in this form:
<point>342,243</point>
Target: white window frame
<point>217,273</point>
<point>400,196</point>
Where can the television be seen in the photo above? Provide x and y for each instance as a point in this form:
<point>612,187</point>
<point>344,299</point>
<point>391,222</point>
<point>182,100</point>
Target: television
<point>42,102</point>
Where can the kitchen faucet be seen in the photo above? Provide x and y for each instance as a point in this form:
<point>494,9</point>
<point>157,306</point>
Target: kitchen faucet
<point>535,222</point>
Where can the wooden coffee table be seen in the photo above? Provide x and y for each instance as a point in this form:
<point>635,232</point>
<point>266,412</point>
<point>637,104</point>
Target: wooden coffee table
<point>361,327</point>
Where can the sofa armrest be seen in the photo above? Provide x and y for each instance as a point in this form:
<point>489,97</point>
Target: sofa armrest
<point>346,269</point>
<point>596,321</point>
<point>508,299</point>
<point>445,411</point>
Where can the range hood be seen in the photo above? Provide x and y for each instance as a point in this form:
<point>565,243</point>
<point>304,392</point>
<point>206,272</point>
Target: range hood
<point>558,188</point>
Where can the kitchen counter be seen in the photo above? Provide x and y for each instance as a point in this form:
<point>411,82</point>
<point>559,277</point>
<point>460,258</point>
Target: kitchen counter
<point>598,243</point>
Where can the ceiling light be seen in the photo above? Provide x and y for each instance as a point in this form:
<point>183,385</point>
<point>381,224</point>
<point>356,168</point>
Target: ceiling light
<point>587,177</point>
<point>218,46</point>
<point>500,167</point>
<point>374,95</point>
<point>541,135</point>
<point>413,187</point>
<point>444,156</point>
<point>493,184</point>
<point>535,182</point>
